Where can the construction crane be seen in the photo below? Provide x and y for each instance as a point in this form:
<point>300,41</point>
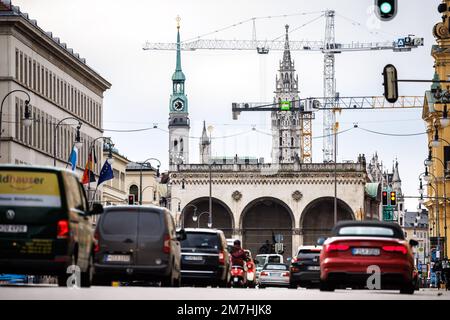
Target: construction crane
<point>308,106</point>
<point>328,47</point>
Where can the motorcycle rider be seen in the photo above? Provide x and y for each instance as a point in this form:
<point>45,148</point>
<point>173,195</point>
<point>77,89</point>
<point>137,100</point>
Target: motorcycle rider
<point>238,256</point>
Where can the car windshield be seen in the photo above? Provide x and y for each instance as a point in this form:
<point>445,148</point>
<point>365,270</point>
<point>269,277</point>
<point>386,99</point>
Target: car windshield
<point>200,240</point>
<point>366,231</point>
<point>276,259</point>
<point>281,267</point>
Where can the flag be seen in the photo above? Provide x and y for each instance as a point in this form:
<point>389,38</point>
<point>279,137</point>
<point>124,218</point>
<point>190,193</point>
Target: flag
<point>88,174</point>
<point>106,173</point>
<point>73,158</point>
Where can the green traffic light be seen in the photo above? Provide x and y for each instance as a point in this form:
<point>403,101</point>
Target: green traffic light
<point>386,7</point>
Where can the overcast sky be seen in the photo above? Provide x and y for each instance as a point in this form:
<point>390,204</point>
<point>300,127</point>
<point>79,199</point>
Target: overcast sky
<point>110,35</point>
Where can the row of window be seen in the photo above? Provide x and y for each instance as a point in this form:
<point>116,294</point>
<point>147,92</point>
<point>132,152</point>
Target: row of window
<point>41,135</point>
<point>36,77</point>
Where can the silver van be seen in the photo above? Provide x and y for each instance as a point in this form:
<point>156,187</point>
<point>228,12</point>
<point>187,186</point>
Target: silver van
<point>137,243</point>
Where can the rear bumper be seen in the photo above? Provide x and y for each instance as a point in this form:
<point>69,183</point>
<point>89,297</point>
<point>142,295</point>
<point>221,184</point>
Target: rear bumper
<point>55,266</point>
<point>131,271</point>
<point>308,276</point>
<point>190,276</point>
<point>275,283</point>
<point>346,271</point>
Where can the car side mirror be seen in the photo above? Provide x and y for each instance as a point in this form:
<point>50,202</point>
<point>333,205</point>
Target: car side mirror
<point>97,208</point>
<point>413,243</point>
<point>181,235</point>
<point>321,241</point>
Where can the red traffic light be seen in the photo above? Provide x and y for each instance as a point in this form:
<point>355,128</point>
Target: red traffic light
<point>384,198</point>
<point>131,199</point>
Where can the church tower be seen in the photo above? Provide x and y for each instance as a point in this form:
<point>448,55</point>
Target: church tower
<point>179,125</point>
<point>205,146</point>
<point>286,125</point>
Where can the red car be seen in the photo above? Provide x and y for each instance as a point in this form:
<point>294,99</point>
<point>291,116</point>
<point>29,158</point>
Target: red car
<point>358,248</point>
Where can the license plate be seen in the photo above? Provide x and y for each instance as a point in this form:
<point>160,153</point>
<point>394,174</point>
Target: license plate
<point>236,279</point>
<point>193,258</point>
<point>366,251</point>
<point>117,258</point>
<point>13,228</point>
<point>314,268</point>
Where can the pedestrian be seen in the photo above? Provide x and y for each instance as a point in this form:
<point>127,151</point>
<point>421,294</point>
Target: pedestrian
<point>446,272</point>
<point>438,271</point>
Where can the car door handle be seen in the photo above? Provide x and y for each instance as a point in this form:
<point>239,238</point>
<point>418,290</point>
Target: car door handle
<point>128,241</point>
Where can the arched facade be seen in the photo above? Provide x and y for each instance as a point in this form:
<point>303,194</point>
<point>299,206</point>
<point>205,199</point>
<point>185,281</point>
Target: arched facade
<point>317,218</point>
<point>260,198</point>
<point>222,217</point>
<point>264,219</point>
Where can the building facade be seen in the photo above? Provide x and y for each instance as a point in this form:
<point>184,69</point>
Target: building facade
<point>60,84</point>
<point>434,111</point>
<point>142,179</point>
<point>415,226</point>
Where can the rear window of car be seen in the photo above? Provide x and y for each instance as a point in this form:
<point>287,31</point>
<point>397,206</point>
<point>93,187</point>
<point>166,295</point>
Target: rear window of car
<point>274,259</point>
<point>150,223</point>
<point>276,267</point>
<point>201,240</point>
<point>309,251</point>
<point>366,231</point>
<point>120,222</point>
<point>29,189</point>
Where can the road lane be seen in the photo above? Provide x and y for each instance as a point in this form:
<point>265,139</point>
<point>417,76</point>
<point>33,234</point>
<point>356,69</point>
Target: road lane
<point>188,293</point>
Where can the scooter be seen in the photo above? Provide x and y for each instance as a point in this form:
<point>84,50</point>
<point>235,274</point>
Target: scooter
<point>238,277</point>
<point>251,274</point>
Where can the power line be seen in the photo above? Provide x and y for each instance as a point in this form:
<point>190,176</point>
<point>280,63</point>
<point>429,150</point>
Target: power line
<point>393,134</point>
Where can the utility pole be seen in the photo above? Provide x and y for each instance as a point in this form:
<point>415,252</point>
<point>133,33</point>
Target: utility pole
<point>336,126</point>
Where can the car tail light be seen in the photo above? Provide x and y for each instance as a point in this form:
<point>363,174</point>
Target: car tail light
<point>263,273</point>
<point>62,231</point>
<point>166,248</point>
<point>400,249</point>
<point>337,247</point>
<point>221,258</point>
<point>295,269</point>
<point>285,274</point>
<point>96,241</point>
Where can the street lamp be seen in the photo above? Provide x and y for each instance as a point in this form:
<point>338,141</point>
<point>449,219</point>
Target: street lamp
<point>196,218</point>
<point>182,213</point>
<point>141,165</point>
<point>210,130</point>
<point>27,119</point>
<point>78,143</point>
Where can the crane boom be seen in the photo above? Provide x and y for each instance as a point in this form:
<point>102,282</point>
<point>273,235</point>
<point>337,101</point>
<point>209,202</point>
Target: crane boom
<point>314,46</point>
<point>308,106</point>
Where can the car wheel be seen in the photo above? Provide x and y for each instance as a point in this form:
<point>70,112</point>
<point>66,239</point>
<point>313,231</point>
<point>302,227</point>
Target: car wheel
<point>62,278</point>
<point>168,281</point>
<point>86,277</point>
<point>292,286</point>
<point>407,289</point>
<point>325,286</point>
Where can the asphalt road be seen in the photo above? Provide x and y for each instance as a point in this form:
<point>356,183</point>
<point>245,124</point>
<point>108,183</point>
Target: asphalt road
<point>49,292</point>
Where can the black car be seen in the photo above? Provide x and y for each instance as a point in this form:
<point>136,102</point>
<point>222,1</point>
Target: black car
<point>45,224</point>
<point>137,243</point>
<point>205,259</point>
<point>305,267</point>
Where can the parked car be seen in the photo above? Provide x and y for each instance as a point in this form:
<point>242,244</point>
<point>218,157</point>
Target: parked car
<point>45,223</point>
<point>305,267</point>
<point>357,245</point>
<point>262,259</point>
<point>137,243</point>
<point>274,275</point>
<point>205,259</point>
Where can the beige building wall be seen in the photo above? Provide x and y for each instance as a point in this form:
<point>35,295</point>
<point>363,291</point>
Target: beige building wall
<point>60,84</point>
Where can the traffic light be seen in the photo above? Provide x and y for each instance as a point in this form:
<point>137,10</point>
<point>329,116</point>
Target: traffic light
<point>390,83</point>
<point>393,198</point>
<point>285,105</point>
<point>131,199</point>
<point>384,198</point>
<point>386,9</point>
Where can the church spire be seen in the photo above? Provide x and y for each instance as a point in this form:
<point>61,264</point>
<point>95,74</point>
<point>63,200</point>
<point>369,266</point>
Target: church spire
<point>178,74</point>
<point>287,51</point>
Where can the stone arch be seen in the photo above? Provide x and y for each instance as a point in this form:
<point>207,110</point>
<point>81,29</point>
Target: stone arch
<point>222,217</point>
<point>317,218</point>
<point>264,217</point>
